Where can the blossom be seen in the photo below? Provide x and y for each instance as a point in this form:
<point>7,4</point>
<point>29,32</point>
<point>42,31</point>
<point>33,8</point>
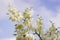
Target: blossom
<point>25,25</point>
<point>29,23</point>
<point>39,28</point>
<point>19,19</point>
<point>15,15</point>
<point>30,37</point>
<point>27,37</point>
<point>13,18</point>
<point>28,13</point>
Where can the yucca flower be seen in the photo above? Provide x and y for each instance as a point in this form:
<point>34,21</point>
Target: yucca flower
<point>27,37</point>
<point>13,18</point>
<point>28,13</point>
<point>16,15</point>
<point>19,19</point>
<point>14,12</point>
<point>39,28</point>
<point>30,37</point>
<point>25,24</point>
<point>29,24</point>
<point>52,29</point>
<point>21,30</point>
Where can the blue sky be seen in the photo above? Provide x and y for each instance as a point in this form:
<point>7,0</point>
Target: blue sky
<point>48,9</point>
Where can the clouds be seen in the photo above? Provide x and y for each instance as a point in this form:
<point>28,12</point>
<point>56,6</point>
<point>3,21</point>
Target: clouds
<point>12,38</point>
<point>49,15</point>
<point>45,12</point>
<point>4,8</point>
<point>50,4</point>
<point>7,1</point>
<point>46,15</point>
<point>56,19</point>
<point>3,18</point>
<point>21,5</point>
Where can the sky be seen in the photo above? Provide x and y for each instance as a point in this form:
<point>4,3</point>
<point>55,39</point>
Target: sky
<point>48,9</point>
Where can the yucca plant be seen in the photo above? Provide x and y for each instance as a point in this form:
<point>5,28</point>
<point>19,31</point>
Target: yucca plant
<point>24,24</point>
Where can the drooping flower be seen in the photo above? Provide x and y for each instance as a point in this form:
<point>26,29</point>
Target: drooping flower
<point>28,13</point>
<point>30,37</point>
<point>27,37</point>
<point>13,18</point>
<point>39,28</point>
<point>29,24</point>
<point>17,17</point>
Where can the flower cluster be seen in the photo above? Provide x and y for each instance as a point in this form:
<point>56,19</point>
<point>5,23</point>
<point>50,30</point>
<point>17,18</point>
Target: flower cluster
<point>27,37</point>
<point>15,15</point>
<point>28,13</point>
<point>25,25</point>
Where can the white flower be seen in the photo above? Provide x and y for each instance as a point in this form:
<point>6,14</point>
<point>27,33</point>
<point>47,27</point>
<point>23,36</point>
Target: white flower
<point>30,37</point>
<point>16,15</point>
<point>12,10</point>
<point>27,37</point>
<point>13,18</point>
<point>19,19</point>
<point>28,13</point>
